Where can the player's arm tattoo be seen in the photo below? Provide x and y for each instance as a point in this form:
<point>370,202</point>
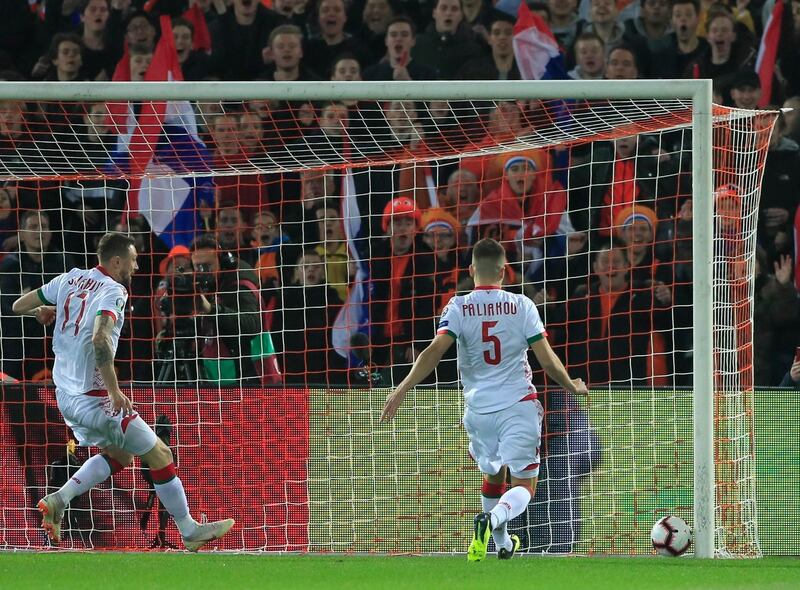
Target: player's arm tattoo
<point>101,340</point>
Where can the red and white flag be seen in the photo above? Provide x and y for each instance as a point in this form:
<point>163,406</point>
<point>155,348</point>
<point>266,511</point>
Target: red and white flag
<point>768,53</point>
<point>535,48</point>
<point>159,144</point>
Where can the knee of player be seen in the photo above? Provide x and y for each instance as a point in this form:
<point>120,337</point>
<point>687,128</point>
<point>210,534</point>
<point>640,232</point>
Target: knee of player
<point>117,460</point>
<point>529,485</point>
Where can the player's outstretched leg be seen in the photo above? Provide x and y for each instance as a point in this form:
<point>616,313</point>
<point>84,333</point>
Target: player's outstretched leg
<point>169,489</point>
<point>480,537</point>
<point>95,471</point>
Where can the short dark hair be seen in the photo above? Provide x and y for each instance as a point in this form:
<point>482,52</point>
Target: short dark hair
<point>403,19</point>
<point>85,5</point>
<point>344,55</point>
<point>205,242</point>
<point>626,47</point>
<point>28,213</point>
<point>436,4</point>
<point>503,17</point>
<point>720,11</point>
<point>285,30</point>
<point>179,21</point>
<point>589,36</point>
<point>695,3</point>
<point>60,38</point>
<point>113,244</point>
<point>137,14</point>
<point>486,255</point>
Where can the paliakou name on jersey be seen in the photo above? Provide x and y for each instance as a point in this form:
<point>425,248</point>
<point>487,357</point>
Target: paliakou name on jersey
<point>493,329</point>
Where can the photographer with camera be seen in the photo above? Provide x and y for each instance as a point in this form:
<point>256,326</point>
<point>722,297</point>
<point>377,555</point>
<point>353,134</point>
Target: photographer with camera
<point>173,310</point>
<point>234,346</point>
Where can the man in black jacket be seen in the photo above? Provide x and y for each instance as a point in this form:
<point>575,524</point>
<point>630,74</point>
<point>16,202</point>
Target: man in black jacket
<point>401,302</point>
<point>239,37</point>
<point>229,310</point>
<point>501,64</point>
<point>24,342</point>
<point>401,36</point>
<point>447,44</point>
<point>608,331</point>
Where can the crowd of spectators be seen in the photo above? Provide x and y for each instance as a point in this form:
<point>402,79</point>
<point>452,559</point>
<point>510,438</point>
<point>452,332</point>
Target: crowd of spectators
<point>620,313</point>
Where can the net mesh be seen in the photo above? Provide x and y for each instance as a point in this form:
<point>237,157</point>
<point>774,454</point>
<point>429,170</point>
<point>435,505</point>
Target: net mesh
<point>343,230</point>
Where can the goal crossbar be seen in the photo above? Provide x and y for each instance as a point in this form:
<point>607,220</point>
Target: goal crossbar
<point>431,90</point>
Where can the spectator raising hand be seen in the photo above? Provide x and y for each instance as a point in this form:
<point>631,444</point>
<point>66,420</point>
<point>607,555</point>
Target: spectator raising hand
<point>794,371</point>
<point>792,377</point>
<point>685,213</point>
<point>783,270</point>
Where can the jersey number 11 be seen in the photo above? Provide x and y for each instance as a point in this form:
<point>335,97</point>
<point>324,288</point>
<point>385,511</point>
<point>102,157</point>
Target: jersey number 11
<point>82,296</point>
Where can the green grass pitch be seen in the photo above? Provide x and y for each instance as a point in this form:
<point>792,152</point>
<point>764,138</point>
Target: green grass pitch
<point>411,487</point>
<point>141,571</point>
<point>357,469</point>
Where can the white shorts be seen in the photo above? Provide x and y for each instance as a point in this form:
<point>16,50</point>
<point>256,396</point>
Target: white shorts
<point>508,437</point>
<point>90,418</point>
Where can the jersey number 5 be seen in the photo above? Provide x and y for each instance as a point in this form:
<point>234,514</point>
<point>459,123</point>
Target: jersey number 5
<point>492,357</point>
<point>82,296</point>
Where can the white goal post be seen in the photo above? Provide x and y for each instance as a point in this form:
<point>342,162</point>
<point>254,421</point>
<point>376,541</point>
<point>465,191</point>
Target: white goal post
<point>697,93</point>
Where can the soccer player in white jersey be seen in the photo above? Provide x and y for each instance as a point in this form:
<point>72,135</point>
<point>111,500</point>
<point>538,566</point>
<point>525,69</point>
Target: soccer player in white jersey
<point>503,419</point>
<point>87,307</point>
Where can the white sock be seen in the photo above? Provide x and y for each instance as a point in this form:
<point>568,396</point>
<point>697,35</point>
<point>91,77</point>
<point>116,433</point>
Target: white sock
<point>511,504</point>
<point>500,534</point>
<point>173,498</point>
<point>96,470</point>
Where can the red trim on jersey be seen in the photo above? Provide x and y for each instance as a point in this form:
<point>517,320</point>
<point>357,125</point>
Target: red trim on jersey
<point>127,420</point>
<point>96,393</point>
<point>487,288</point>
<point>530,397</point>
<point>163,475</point>
<point>103,270</point>
<point>531,466</point>
<point>108,312</point>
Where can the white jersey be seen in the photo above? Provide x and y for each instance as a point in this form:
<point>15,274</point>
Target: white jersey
<point>494,329</point>
<point>79,296</point>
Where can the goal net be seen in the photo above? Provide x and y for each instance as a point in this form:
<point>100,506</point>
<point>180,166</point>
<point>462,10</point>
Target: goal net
<point>296,248</point>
